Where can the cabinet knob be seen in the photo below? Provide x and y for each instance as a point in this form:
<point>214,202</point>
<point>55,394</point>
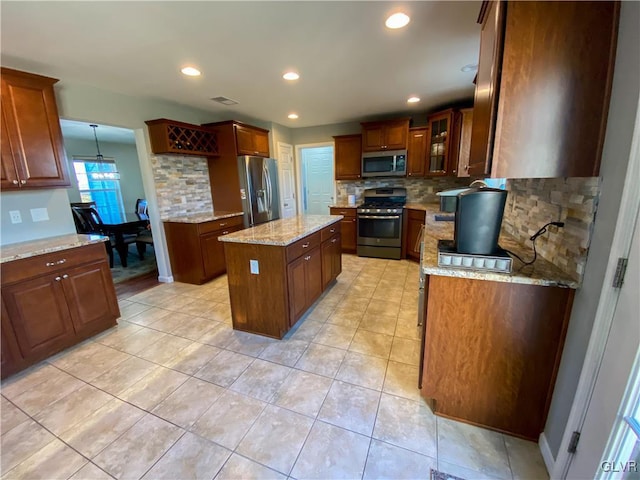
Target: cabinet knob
<point>65,276</point>
<point>23,182</point>
<point>305,245</point>
<point>332,230</point>
<point>334,240</point>
<point>15,182</point>
<point>57,262</point>
<point>222,224</point>
<point>57,279</point>
<point>307,258</point>
<point>225,232</point>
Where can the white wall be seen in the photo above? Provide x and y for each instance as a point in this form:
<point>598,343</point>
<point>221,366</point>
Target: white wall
<point>55,201</point>
<point>622,114</point>
<point>323,133</point>
<point>127,163</point>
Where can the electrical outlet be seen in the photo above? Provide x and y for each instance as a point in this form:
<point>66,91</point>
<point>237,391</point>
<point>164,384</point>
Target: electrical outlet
<point>254,267</point>
<point>39,214</point>
<point>15,216</point>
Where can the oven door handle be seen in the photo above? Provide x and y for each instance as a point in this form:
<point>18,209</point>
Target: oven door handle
<point>379,217</point>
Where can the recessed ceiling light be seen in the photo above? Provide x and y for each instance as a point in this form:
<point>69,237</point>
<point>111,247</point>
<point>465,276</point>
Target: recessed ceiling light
<point>472,67</point>
<point>190,71</point>
<point>413,99</point>
<point>293,116</point>
<point>291,76</point>
<point>397,20</point>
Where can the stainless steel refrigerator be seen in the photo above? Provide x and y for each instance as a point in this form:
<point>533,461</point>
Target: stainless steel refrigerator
<point>259,189</point>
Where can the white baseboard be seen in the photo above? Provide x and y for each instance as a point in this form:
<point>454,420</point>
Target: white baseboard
<point>163,279</point>
<point>545,450</point>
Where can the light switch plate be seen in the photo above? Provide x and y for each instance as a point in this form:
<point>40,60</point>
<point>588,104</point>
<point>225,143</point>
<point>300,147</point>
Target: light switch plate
<point>39,214</point>
<point>15,216</point>
<point>254,267</point>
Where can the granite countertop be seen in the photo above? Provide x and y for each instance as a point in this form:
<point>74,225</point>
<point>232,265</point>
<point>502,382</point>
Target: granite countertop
<point>17,251</point>
<point>203,217</point>
<point>427,207</point>
<point>282,232</point>
<point>542,272</point>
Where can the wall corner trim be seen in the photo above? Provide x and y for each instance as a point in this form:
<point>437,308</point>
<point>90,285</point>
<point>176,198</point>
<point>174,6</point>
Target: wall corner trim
<point>545,450</point>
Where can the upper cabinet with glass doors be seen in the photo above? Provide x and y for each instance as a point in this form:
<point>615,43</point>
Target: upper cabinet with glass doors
<point>440,157</point>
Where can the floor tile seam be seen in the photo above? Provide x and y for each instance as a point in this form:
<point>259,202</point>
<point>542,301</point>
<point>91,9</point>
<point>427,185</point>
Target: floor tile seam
<point>255,461</point>
<point>4,474</point>
<point>235,449</point>
<point>55,437</point>
<point>506,449</point>
<point>306,439</point>
<point>162,456</point>
<point>274,393</point>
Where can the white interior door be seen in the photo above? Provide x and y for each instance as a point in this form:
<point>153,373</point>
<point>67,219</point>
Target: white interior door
<point>287,179</point>
<point>620,352</point>
<point>317,164</point>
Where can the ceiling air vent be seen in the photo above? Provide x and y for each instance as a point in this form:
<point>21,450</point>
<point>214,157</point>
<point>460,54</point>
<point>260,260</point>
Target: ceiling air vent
<point>224,100</point>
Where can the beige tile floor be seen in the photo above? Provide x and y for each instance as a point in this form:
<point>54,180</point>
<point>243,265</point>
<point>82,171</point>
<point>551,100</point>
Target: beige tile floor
<point>173,392</point>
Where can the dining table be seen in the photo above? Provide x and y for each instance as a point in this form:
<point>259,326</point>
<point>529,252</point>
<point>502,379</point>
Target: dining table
<point>129,223</point>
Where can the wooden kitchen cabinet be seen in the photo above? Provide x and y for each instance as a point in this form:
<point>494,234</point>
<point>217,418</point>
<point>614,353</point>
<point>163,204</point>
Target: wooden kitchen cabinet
<point>304,278</point>
<point>195,253</point>
<point>462,137</point>
<point>331,254</point>
<point>53,301</point>
<point>348,226</point>
<point>415,222</point>
<point>172,137</point>
<point>348,157</point>
<point>385,135</point>
<point>252,140</point>
<point>528,124</point>
<point>417,151</point>
<point>492,351</point>
<point>272,285</point>
<point>32,150</point>
<point>234,139</point>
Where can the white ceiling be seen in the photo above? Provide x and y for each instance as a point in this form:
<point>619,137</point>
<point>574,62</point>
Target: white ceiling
<point>351,66</point>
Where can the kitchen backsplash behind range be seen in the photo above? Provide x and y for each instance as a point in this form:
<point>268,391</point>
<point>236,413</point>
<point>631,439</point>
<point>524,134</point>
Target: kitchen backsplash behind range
<point>533,202</point>
<point>419,190</point>
<point>182,185</point>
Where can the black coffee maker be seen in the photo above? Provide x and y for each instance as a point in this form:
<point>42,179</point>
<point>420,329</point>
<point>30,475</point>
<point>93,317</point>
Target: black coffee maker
<point>478,220</point>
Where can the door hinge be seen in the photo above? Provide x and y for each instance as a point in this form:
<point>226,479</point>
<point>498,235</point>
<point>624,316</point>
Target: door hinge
<point>573,444</point>
<point>621,269</point>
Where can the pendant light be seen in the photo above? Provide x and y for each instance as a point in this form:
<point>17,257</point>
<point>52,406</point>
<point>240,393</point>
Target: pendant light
<point>99,157</point>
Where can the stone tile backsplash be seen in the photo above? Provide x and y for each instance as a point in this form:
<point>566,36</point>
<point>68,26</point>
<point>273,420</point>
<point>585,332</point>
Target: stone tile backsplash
<point>182,185</point>
<point>533,202</point>
<point>419,190</point>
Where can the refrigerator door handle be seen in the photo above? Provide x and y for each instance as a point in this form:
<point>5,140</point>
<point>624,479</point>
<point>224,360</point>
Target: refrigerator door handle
<point>267,183</point>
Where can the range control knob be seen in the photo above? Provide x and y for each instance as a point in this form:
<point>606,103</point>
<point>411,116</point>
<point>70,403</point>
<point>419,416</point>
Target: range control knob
<point>389,210</point>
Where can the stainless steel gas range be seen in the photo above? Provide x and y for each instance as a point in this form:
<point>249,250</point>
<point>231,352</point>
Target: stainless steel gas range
<point>380,222</point>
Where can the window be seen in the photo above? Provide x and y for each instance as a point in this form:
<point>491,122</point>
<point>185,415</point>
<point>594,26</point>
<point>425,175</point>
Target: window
<point>100,182</point>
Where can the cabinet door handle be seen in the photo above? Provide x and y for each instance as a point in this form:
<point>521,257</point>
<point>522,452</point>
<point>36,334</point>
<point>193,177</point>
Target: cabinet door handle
<point>307,258</point>
<point>23,182</point>
<point>65,276</point>
<point>15,182</point>
<point>225,232</point>
<point>57,279</point>
<point>305,245</point>
<point>57,262</point>
<point>342,213</point>
<point>223,224</point>
<point>332,230</point>
<point>334,240</point>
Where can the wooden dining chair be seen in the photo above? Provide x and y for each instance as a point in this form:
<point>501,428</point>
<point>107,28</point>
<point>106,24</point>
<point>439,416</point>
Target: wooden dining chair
<point>145,237</point>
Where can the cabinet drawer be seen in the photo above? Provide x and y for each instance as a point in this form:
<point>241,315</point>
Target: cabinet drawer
<point>416,214</point>
<point>327,232</point>
<point>345,211</point>
<point>19,270</point>
<point>222,224</point>
<point>302,246</point>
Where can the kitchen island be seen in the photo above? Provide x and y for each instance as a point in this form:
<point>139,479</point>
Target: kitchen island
<point>276,270</point>
<point>492,342</point>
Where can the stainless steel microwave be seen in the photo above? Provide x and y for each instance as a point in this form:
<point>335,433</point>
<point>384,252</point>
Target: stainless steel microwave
<point>384,164</point>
